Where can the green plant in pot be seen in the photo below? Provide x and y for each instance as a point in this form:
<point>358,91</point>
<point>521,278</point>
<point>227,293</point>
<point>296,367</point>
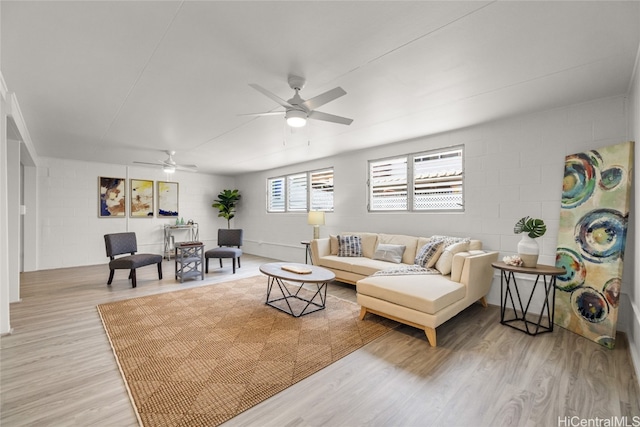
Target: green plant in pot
<point>528,248</point>
<point>226,204</point>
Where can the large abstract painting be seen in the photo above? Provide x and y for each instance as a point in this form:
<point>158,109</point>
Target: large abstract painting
<point>141,198</point>
<point>591,241</point>
<point>167,198</point>
<point>112,197</point>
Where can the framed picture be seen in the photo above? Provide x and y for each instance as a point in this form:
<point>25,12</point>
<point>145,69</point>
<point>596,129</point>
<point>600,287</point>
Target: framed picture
<point>141,201</point>
<point>594,214</point>
<point>167,199</point>
<point>112,197</point>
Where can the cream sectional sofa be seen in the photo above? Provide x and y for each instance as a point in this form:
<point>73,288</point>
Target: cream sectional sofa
<point>424,301</point>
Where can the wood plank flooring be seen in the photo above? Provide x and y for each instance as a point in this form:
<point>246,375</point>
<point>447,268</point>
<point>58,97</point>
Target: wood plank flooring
<point>57,368</point>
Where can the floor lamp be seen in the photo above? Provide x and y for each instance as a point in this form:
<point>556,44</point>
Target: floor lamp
<point>316,218</point>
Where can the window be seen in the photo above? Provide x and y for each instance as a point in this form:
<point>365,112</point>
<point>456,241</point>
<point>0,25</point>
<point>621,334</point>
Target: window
<point>276,194</point>
<point>431,181</point>
<point>301,192</point>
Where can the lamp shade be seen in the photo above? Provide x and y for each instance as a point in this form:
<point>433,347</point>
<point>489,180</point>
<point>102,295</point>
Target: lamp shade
<point>315,218</point>
<point>169,169</point>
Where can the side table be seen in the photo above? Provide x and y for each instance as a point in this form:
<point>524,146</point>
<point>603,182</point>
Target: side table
<point>189,259</point>
<point>307,251</point>
<point>509,287</point>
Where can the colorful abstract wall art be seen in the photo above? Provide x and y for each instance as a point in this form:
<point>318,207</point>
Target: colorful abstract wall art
<point>112,197</point>
<point>167,198</point>
<point>141,198</point>
<point>591,240</point>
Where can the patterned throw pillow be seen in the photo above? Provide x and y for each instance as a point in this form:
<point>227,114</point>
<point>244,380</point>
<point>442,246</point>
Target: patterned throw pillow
<point>349,246</point>
<point>428,254</point>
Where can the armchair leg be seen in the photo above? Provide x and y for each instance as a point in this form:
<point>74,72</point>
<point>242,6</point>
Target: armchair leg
<point>110,276</point>
<point>133,277</point>
<point>160,270</point>
<point>206,264</point>
<point>239,262</point>
<point>233,260</point>
<point>220,262</point>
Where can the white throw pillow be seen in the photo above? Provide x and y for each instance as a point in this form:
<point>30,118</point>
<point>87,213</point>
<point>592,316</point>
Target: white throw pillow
<point>443,265</point>
<point>390,253</point>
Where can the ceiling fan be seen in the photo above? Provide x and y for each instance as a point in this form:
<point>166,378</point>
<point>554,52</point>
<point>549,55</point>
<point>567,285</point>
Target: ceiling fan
<point>170,165</point>
<point>297,110</point>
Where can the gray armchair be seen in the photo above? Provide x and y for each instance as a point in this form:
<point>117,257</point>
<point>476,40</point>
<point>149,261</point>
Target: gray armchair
<point>229,241</point>
<point>125,243</point>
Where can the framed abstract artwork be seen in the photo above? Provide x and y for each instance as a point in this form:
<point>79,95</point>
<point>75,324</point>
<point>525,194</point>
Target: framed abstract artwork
<point>141,198</point>
<point>112,197</point>
<point>167,199</point>
<point>591,240</point>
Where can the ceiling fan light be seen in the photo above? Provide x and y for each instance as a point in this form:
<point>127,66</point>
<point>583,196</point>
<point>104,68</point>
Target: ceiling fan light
<point>168,169</point>
<point>296,118</point>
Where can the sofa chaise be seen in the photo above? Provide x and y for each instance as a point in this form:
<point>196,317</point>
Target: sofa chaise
<point>458,274</point>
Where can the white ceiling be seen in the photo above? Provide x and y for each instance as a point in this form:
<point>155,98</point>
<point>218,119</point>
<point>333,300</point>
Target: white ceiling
<point>122,81</point>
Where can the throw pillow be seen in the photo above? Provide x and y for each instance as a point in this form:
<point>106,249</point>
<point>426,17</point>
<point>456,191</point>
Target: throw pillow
<point>333,244</point>
<point>349,246</point>
<point>429,254</point>
<point>443,265</point>
<point>390,253</point>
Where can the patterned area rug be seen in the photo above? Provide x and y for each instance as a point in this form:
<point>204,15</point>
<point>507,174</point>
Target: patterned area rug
<point>203,355</point>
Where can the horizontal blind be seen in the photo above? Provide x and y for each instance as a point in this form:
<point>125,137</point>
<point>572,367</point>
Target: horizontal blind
<point>297,192</point>
<point>321,190</point>
<point>388,184</point>
<point>275,196</point>
<point>437,181</point>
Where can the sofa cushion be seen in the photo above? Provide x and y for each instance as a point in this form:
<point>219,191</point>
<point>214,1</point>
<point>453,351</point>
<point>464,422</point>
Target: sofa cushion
<point>426,293</point>
<point>369,242</point>
<point>443,265</point>
<point>429,254</point>
<point>349,246</point>
<point>367,267</point>
<point>333,244</point>
<point>389,253</point>
<point>358,265</point>
<point>410,242</point>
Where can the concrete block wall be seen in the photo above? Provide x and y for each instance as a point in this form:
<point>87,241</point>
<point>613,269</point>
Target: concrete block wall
<point>513,168</point>
<point>70,231</point>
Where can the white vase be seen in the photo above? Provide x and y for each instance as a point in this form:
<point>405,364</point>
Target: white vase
<point>528,251</point>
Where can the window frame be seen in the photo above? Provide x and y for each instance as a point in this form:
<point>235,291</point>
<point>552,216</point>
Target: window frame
<point>410,186</point>
<point>311,202</point>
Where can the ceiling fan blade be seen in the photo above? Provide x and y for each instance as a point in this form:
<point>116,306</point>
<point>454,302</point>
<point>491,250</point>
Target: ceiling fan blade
<point>268,113</point>
<point>318,115</point>
<point>323,98</point>
<point>192,168</point>
<point>151,164</point>
<point>274,97</point>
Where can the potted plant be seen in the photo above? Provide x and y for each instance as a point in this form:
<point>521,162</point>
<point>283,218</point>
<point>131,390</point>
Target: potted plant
<point>226,204</point>
<point>528,248</point>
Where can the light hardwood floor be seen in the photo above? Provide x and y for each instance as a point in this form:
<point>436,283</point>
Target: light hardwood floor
<point>57,368</point>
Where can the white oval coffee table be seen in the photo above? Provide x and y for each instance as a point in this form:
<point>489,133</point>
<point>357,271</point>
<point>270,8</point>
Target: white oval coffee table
<point>310,274</point>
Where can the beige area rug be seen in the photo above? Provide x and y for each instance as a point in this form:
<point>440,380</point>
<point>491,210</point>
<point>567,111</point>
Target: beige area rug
<point>203,355</point>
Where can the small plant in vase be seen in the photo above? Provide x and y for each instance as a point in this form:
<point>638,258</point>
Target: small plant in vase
<point>528,248</point>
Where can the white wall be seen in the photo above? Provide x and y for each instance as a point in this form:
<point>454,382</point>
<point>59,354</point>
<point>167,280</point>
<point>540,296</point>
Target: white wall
<point>513,168</point>
<point>632,304</point>
<point>5,324</point>
<point>71,233</point>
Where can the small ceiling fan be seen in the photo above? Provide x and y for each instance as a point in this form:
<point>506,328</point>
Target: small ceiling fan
<point>170,165</point>
<point>297,110</point>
